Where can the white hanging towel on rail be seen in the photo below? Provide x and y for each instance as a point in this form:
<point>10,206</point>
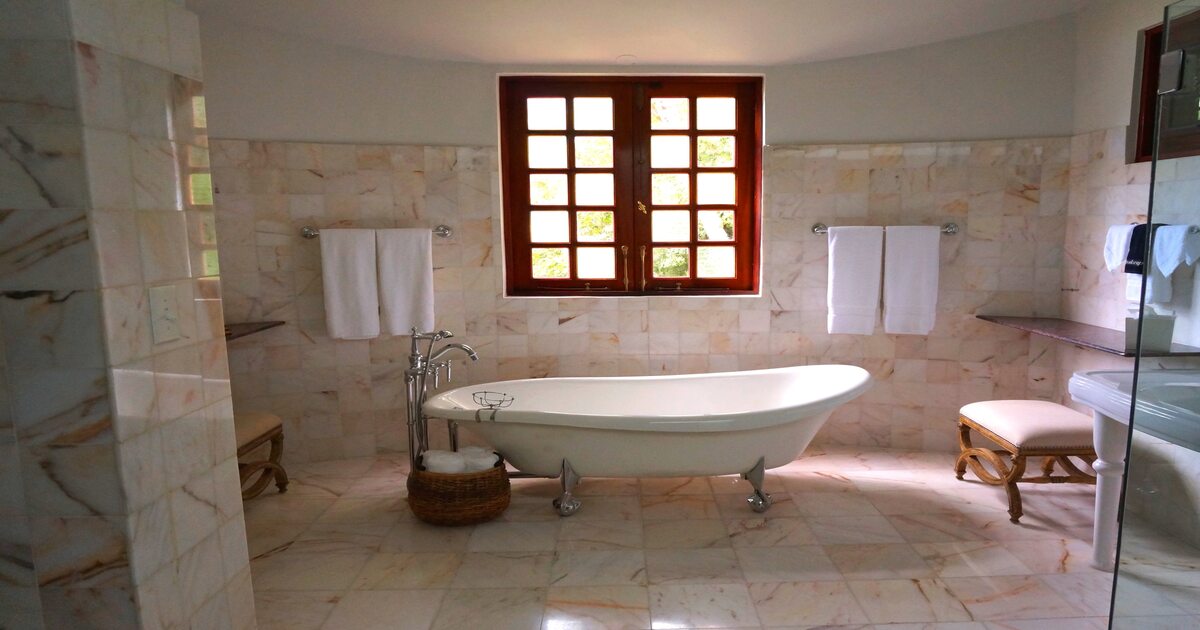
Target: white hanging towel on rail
<point>1175,245</point>
<point>855,256</point>
<point>350,283</point>
<point>910,279</point>
<point>405,279</point>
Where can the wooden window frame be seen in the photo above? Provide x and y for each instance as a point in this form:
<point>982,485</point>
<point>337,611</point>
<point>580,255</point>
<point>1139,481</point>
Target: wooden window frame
<point>631,169</point>
<point>1152,39</point>
<point>1153,110</point>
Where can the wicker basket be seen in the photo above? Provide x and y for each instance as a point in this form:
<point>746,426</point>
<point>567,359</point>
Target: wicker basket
<point>459,498</point>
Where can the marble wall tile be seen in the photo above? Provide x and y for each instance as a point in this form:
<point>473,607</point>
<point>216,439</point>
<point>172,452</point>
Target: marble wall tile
<point>80,552</point>
<point>71,481</point>
<point>34,19</point>
<point>44,250</point>
<point>60,407</point>
<point>100,84</point>
<point>30,89</point>
<point>116,236</point>
<point>183,32</point>
<point>160,603</point>
<point>1008,259</point>
<point>91,607</point>
<point>151,527</point>
<point>46,329</point>
<point>41,166</point>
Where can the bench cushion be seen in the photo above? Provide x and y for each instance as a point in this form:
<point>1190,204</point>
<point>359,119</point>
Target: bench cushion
<point>1032,424</point>
<point>251,425</point>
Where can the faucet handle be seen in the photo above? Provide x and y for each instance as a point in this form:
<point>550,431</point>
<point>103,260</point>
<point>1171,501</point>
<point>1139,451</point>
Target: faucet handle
<point>449,370</point>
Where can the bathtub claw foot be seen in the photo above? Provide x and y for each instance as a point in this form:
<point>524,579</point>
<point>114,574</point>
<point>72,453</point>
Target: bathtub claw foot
<point>567,505</point>
<point>759,501</point>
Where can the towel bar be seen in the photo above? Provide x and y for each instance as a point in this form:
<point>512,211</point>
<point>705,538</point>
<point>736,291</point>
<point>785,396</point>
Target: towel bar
<point>444,231</point>
<point>947,228</point>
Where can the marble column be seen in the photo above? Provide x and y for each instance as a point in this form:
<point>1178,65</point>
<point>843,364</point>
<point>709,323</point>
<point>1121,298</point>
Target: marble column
<point>119,503</point>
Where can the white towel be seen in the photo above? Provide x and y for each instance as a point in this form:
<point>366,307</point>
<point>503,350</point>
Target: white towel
<point>443,462</point>
<point>477,462</point>
<point>1116,246</point>
<point>1175,245</point>
<point>910,279</point>
<point>405,279</point>
<point>351,287</point>
<point>855,257</point>
<point>1158,289</point>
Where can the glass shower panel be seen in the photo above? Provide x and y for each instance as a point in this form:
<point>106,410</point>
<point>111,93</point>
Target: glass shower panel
<point>1157,582</point>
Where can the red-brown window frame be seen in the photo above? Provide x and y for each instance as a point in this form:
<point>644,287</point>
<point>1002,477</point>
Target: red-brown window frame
<point>1152,39</point>
<point>1153,110</point>
<point>631,97</point>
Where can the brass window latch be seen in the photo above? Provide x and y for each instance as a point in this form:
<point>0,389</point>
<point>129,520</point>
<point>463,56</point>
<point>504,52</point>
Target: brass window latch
<point>643,267</point>
<point>625,264</point>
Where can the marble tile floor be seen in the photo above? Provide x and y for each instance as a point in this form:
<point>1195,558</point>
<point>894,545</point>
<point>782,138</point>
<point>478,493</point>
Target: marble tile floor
<point>1159,582</point>
<point>856,539</point>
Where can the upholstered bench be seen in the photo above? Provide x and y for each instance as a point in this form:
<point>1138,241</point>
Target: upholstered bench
<point>1024,428</point>
<point>254,429</point>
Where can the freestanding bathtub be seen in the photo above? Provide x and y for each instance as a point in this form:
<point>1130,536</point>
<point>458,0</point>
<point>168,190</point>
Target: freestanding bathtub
<point>654,426</point>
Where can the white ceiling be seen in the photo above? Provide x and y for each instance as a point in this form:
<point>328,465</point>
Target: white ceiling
<point>675,32</point>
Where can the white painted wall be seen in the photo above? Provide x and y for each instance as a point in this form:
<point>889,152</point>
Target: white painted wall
<point>1011,83</point>
<point>1106,60</point>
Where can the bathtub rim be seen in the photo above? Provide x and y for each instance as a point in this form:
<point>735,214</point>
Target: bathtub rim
<point>859,382</point>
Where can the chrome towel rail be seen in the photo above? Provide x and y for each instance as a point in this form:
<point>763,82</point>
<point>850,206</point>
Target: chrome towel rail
<point>443,231</point>
<point>947,228</point>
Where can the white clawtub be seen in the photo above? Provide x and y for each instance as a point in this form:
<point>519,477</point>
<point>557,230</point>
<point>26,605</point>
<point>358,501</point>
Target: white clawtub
<point>655,426</point>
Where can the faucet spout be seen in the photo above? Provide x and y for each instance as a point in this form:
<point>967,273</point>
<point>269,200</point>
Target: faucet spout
<point>461,347</point>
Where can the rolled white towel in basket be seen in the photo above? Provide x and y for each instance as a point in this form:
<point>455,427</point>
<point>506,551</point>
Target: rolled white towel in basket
<point>478,459</point>
<point>468,459</point>
<point>444,462</point>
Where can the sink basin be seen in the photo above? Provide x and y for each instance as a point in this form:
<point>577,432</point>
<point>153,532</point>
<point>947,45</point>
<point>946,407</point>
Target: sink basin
<point>1168,405</point>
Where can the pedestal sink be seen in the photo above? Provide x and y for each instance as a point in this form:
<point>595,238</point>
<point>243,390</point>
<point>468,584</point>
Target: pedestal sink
<point>1168,407</point>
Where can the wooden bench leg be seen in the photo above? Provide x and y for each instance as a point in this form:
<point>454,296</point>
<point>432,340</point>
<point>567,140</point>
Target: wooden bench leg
<point>964,445</point>
<point>972,456</point>
<point>267,471</point>
<point>1014,493</point>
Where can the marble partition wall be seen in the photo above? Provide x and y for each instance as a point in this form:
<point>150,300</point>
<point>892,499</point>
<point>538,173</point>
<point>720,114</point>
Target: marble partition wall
<point>345,398</point>
<point>119,494</point>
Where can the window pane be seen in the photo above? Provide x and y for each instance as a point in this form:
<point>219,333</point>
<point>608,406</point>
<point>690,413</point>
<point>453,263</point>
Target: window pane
<point>715,188</point>
<point>715,225</point>
<point>550,262</point>
<point>547,113</point>
<point>716,113</point>
<point>715,262</point>
<point>670,151</point>
<point>669,189</point>
<point>549,227</point>
<point>594,225</point>
<point>670,262</point>
<point>669,113</point>
<point>593,151</point>
<point>714,151</point>
<point>671,225</point>
<point>548,190</point>
<point>594,113</point>
<point>547,152</point>
<point>593,189</point>
<point>596,262</point>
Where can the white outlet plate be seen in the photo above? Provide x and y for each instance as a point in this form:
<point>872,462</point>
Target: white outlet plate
<point>164,314</point>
